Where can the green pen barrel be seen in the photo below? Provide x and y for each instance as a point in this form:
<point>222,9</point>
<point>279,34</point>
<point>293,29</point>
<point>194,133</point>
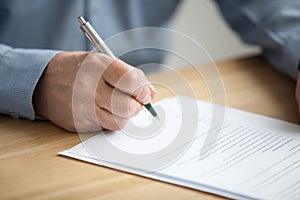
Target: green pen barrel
<point>150,109</point>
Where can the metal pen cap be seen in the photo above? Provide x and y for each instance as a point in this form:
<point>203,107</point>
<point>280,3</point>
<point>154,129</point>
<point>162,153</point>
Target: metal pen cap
<point>93,37</point>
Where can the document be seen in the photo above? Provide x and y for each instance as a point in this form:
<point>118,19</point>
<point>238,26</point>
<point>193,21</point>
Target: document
<point>249,156</point>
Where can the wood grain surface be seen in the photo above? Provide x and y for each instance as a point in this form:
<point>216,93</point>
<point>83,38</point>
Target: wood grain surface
<point>31,169</point>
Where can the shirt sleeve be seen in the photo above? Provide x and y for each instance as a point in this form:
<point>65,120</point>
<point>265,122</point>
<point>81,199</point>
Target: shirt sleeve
<point>273,25</point>
<point>20,70</point>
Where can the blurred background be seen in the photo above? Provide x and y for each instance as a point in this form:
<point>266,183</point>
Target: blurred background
<point>201,20</point>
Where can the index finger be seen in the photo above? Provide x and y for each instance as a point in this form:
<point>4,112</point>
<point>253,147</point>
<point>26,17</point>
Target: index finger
<point>129,80</point>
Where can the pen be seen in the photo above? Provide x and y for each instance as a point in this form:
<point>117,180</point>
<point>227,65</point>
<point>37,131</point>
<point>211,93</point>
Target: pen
<point>100,45</point>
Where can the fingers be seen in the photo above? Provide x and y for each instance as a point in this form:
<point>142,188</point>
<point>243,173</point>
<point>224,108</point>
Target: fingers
<point>109,121</point>
<point>129,80</point>
<point>121,92</point>
<point>116,102</point>
<point>142,95</point>
<point>123,76</point>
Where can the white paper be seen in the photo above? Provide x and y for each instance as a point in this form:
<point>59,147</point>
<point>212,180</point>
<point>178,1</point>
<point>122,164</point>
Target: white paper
<point>255,157</point>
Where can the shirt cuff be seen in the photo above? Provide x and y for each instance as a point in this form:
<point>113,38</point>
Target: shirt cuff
<point>20,71</point>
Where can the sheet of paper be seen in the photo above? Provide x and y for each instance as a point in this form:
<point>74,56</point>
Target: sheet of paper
<point>255,157</point>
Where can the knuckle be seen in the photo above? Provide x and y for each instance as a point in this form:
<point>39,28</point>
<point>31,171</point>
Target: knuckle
<point>117,124</point>
<point>113,64</point>
<point>104,95</point>
<point>135,78</point>
<point>106,60</point>
<point>106,123</point>
<point>122,123</point>
<point>98,59</point>
<point>92,58</point>
<point>116,63</point>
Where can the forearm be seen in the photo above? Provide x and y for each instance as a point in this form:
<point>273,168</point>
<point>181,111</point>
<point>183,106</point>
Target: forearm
<point>20,71</point>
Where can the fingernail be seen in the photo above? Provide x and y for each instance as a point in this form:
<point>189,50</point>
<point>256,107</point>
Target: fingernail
<point>152,88</point>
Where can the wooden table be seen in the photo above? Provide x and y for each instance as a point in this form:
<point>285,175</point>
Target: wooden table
<point>31,169</point>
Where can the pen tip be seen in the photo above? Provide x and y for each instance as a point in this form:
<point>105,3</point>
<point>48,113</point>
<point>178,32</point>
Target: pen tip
<point>158,119</point>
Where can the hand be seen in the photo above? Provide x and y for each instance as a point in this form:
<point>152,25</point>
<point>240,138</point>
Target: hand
<point>297,93</point>
<point>91,89</point>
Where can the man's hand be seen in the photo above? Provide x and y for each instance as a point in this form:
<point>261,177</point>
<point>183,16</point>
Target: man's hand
<point>92,90</point>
